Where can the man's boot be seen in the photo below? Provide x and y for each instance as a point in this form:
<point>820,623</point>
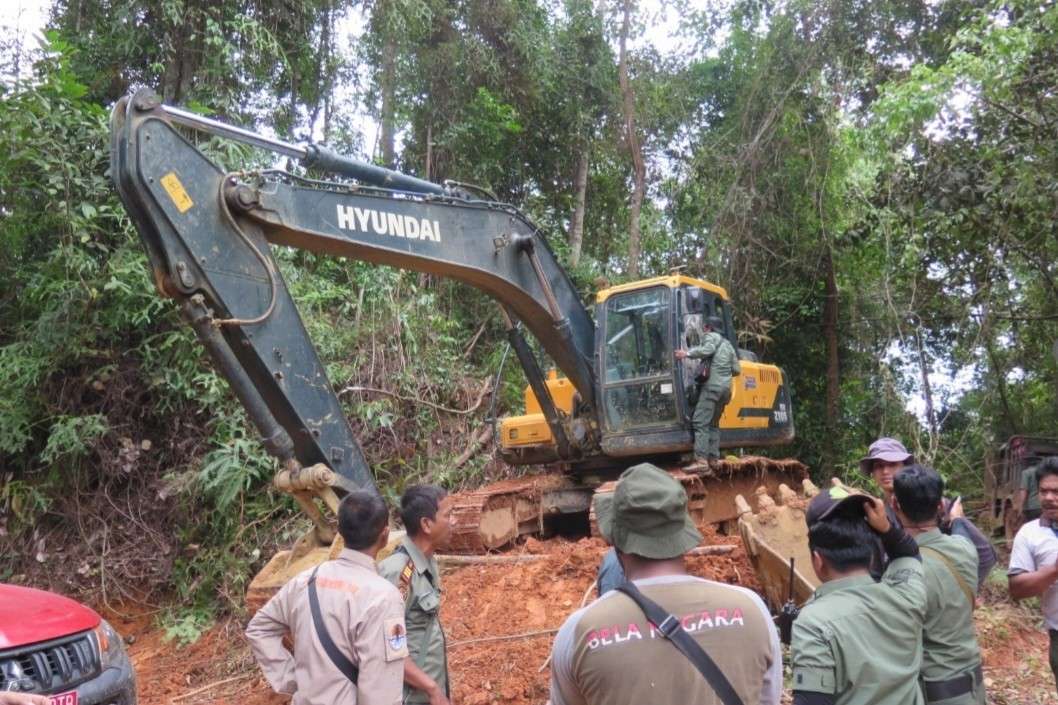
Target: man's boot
<point>700,465</point>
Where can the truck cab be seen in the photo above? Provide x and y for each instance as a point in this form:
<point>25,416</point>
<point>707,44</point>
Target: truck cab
<point>54,646</point>
<point>1003,478</point>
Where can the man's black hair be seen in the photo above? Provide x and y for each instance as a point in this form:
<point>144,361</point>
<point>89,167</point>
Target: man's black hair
<point>420,502</point>
<point>362,515</point>
<point>847,543</point>
<point>1049,466</point>
<point>919,490</point>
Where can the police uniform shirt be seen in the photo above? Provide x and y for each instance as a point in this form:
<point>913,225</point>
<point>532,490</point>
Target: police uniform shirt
<point>861,640</point>
<point>724,360</point>
<point>609,654</point>
<point>949,640</point>
<point>419,580</point>
<point>1036,546</point>
<point>364,615</point>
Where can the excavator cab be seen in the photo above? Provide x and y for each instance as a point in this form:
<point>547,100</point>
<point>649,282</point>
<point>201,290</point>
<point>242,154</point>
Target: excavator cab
<point>645,396</point>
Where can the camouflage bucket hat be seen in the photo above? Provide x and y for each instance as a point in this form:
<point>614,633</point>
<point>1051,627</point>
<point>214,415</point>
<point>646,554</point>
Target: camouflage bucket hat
<point>647,514</point>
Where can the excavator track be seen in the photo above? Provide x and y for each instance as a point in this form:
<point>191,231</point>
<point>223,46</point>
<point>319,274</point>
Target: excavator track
<point>494,516</point>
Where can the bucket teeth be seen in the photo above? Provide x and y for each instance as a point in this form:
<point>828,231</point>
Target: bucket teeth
<point>775,534</point>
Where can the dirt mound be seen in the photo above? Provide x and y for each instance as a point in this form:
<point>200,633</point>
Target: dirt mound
<point>218,668</point>
<point>1014,652</point>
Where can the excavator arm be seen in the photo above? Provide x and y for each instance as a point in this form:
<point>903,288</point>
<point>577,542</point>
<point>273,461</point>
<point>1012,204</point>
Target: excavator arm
<point>209,234</point>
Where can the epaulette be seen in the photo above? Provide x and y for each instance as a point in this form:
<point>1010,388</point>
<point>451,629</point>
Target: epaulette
<point>405,579</point>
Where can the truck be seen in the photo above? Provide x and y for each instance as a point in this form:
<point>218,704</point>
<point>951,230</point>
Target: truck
<point>1003,479</point>
<point>55,646</point>
<point>617,395</point>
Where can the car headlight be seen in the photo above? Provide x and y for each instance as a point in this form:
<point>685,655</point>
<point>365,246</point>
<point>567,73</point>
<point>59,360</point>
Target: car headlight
<point>111,646</point>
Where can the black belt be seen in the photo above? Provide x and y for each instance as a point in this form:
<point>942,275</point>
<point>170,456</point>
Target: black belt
<point>954,687</point>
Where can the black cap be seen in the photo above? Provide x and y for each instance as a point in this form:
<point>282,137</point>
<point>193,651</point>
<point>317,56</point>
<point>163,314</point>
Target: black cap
<point>836,501</point>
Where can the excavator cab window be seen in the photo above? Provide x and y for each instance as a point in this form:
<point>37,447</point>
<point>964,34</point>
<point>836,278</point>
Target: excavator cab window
<point>696,305</point>
<point>638,383</point>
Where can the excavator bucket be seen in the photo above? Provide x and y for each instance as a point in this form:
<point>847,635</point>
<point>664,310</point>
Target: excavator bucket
<point>776,536</point>
<point>712,496</point>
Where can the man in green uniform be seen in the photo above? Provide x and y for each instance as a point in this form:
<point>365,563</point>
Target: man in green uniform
<point>857,641</point>
<point>719,363</point>
<point>951,659</point>
<point>1027,501</point>
<point>425,511</point>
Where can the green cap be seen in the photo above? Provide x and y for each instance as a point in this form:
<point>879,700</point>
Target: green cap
<point>647,514</point>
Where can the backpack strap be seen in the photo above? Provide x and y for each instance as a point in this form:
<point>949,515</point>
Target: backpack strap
<point>671,629</point>
<point>955,573</point>
<point>343,664</point>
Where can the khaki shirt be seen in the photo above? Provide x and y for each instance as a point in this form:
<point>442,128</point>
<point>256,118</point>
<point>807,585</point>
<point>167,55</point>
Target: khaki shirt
<point>419,581</point>
<point>862,641</point>
<point>949,640</point>
<point>365,618</point>
<point>724,359</point>
<point>608,653</point>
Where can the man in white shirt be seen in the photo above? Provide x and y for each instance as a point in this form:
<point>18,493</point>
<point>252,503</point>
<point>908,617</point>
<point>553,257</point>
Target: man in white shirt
<point>1034,559</point>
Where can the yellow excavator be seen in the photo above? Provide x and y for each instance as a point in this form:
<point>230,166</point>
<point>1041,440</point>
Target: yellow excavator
<point>621,398</point>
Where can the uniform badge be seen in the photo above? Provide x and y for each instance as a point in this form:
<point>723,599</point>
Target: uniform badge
<point>405,580</point>
<point>396,637</point>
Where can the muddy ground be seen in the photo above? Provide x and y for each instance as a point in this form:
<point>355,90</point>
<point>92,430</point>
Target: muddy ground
<point>500,621</point>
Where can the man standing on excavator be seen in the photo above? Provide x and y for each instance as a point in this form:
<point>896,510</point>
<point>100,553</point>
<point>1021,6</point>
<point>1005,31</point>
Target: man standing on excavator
<point>719,363</point>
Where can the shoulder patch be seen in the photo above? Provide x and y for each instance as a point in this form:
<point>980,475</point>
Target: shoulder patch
<point>404,584</point>
<point>396,638</point>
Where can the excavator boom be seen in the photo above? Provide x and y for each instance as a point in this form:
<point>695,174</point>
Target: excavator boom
<point>209,236</point>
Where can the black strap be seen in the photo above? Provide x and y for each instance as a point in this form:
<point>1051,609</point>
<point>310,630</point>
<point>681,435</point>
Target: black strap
<point>672,630</point>
<point>347,667</point>
<point>954,687</point>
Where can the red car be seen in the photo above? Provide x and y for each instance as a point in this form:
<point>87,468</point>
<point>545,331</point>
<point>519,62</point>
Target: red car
<point>55,646</point>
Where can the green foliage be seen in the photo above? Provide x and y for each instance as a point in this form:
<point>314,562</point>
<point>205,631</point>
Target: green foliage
<point>186,625</point>
<point>71,436</point>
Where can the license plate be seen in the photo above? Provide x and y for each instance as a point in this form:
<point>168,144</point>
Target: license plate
<point>63,698</point>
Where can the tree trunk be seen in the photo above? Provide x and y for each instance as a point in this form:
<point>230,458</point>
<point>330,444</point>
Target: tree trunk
<point>580,190</point>
<point>999,374</point>
<point>429,152</point>
<point>927,390</point>
<point>389,62</point>
<point>635,149</point>
<point>833,387</point>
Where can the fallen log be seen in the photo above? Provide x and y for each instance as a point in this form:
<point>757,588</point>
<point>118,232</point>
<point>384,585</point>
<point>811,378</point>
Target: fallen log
<point>450,560</point>
<point>721,550</point>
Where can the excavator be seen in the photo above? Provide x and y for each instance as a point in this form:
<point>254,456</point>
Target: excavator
<point>621,398</point>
